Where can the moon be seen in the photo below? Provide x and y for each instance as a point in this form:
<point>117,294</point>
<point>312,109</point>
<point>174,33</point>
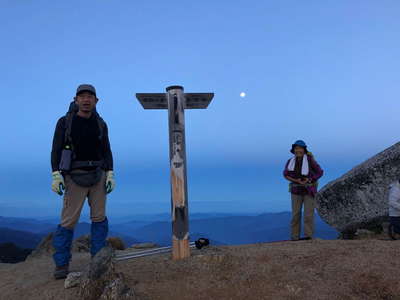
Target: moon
<point>242,94</point>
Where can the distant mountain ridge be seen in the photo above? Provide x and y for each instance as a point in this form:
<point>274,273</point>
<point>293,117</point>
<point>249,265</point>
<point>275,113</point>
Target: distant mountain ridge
<point>25,224</point>
<point>27,233</point>
<point>22,239</point>
<point>220,228</point>
<point>233,230</point>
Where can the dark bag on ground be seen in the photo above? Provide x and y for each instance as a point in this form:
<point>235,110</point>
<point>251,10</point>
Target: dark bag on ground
<point>202,242</point>
<point>87,178</point>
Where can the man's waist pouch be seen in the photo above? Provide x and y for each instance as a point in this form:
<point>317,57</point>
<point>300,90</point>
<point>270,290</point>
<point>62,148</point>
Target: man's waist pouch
<point>79,164</point>
<point>86,178</point>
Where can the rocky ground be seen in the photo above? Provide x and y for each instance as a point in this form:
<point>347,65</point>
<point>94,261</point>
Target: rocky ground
<point>318,269</point>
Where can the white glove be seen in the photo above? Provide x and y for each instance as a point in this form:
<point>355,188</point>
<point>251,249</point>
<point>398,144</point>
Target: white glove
<point>110,181</point>
<point>58,184</point>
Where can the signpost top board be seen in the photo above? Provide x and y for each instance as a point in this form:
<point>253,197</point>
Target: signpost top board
<point>159,100</point>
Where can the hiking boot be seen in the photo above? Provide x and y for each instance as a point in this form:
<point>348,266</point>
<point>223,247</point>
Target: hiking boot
<point>61,272</point>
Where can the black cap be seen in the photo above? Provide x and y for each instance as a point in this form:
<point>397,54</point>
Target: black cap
<point>86,88</point>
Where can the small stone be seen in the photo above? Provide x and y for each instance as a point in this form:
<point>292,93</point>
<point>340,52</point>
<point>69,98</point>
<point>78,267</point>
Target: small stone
<point>116,243</point>
<point>117,289</point>
<point>365,232</point>
<point>81,244</point>
<point>73,279</point>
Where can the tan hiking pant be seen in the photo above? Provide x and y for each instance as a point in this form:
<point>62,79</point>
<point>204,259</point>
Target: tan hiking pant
<point>75,197</point>
<point>309,204</point>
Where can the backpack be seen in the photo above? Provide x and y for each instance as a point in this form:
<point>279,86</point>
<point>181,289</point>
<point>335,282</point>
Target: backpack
<point>73,109</point>
<point>67,161</point>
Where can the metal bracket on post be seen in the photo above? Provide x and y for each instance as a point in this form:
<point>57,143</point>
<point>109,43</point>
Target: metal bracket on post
<point>176,101</point>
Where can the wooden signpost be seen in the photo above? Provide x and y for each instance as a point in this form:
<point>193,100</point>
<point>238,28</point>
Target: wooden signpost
<point>176,101</point>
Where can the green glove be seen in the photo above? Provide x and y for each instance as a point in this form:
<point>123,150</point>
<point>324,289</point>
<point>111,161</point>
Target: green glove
<point>110,181</point>
<point>58,184</point>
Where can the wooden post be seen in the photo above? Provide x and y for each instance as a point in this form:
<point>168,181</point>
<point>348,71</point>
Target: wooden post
<point>176,101</point>
<point>177,155</point>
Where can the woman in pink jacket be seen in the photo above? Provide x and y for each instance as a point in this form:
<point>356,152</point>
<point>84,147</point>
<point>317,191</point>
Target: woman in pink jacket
<point>303,172</point>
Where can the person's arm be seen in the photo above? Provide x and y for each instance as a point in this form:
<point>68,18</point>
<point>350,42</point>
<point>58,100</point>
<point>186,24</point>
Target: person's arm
<point>108,162</point>
<point>58,142</point>
<point>294,180</point>
<point>394,196</point>
<point>108,157</point>
<point>317,170</point>
<point>286,174</point>
<point>395,204</point>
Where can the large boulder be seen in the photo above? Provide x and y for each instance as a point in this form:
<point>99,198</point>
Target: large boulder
<point>10,253</point>
<point>358,199</point>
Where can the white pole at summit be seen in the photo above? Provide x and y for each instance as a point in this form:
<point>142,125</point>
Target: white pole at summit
<point>136,254</point>
<point>176,101</point>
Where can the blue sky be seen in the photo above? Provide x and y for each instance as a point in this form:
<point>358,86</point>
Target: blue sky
<point>323,71</point>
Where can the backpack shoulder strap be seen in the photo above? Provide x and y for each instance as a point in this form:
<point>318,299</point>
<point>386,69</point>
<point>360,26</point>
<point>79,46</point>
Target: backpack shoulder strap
<point>102,125</point>
<point>68,122</point>
<point>68,126</point>
<point>73,109</point>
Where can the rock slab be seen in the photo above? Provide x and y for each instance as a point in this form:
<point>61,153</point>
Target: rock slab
<point>45,247</point>
<point>358,199</point>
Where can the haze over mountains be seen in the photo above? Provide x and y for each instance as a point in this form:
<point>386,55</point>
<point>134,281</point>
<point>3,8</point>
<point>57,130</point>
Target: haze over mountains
<point>219,227</point>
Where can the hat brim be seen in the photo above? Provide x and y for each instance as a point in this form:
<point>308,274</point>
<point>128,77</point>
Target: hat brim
<point>88,91</point>
<point>293,146</point>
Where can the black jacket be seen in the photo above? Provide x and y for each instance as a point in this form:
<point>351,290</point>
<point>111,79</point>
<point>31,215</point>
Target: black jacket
<point>85,135</point>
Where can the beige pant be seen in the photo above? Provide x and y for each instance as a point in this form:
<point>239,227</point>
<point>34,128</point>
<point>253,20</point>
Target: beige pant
<point>74,199</point>
<point>309,204</point>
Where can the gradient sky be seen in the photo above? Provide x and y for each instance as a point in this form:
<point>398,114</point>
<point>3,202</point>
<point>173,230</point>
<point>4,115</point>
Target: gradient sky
<point>323,71</point>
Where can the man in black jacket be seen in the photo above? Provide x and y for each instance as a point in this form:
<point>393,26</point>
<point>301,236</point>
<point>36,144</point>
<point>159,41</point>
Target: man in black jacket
<point>82,164</point>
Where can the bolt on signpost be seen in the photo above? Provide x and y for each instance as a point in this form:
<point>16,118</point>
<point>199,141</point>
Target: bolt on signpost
<point>176,101</point>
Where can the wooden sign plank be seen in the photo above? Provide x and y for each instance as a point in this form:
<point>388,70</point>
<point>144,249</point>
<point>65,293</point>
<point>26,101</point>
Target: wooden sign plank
<point>198,100</point>
<point>152,100</point>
